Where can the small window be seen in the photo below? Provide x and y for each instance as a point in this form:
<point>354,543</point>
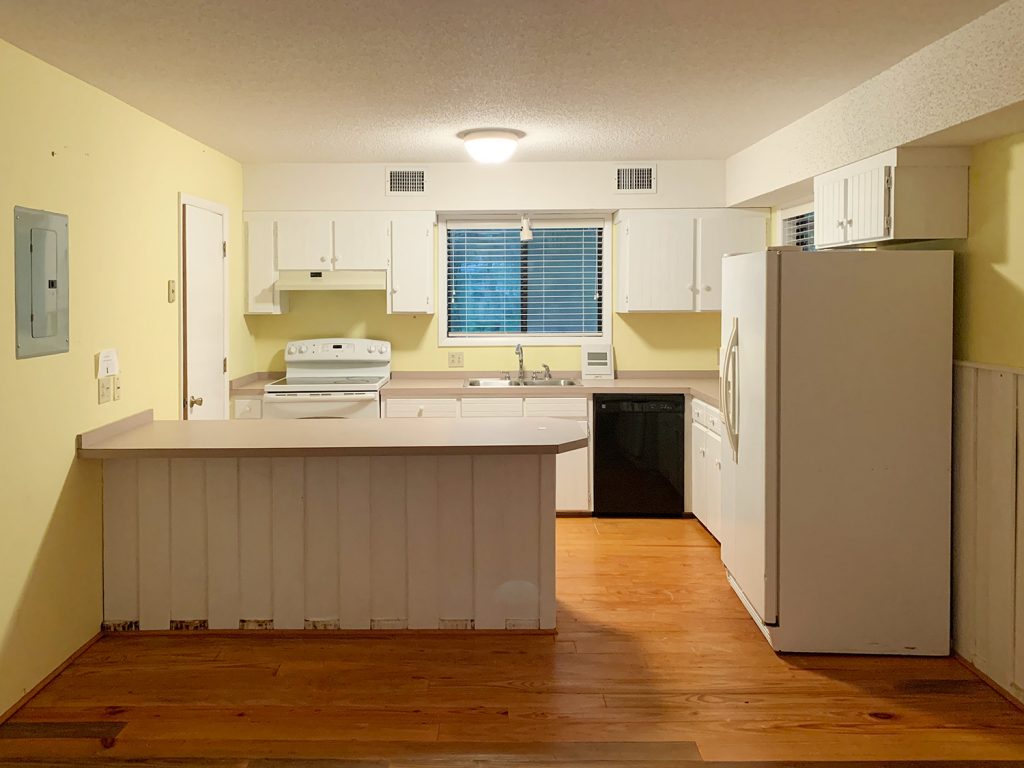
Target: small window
<point>799,231</point>
<point>549,286</point>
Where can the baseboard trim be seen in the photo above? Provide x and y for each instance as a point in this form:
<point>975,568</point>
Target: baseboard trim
<point>5,716</point>
<point>990,682</point>
<point>336,634</point>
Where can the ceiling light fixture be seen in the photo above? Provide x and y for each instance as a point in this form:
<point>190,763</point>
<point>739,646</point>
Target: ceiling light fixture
<point>491,145</point>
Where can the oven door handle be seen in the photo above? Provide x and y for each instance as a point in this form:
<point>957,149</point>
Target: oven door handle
<point>333,397</point>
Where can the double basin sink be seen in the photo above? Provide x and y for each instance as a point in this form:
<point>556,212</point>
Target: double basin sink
<point>522,383</point>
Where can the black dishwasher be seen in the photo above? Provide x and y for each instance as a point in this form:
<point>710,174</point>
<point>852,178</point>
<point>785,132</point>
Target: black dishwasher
<point>638,455</point>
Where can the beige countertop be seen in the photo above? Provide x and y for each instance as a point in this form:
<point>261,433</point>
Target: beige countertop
<point>702,386</point>
<point>140,437</point>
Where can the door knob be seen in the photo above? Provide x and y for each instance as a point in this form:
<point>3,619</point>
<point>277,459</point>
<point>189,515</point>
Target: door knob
<point>194,401</point>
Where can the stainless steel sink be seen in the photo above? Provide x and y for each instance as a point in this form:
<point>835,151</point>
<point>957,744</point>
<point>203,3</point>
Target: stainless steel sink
<point>522,383</point>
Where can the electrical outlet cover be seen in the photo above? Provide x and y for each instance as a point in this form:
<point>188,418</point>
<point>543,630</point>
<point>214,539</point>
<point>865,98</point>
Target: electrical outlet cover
<point>456,360</point>
<point>106,389</point>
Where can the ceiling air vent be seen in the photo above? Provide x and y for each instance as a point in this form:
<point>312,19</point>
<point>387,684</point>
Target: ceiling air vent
<point>636,178</point>
<point>407,181</point>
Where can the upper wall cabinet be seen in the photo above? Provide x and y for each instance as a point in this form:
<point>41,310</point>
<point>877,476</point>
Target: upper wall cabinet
<point>361,240</point>
<point>264,298</point>
<point>411,265</point>
<point>671,260</point>
<point>914,193</point>
<point>341,250</point>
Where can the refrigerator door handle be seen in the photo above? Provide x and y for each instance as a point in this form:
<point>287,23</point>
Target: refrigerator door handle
<point>730,395</point>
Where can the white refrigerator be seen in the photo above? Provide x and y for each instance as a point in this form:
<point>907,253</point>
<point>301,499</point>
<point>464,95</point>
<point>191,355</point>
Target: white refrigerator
<point>836,371</point>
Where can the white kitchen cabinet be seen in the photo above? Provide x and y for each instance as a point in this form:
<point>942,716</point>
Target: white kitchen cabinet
<point>671,260</point>
<point>421,408</point>
<point>492,407</point>
<point>655,261</point>
<point>362,240</point>
<point>913,193</point>
<point>572,469</point>
<point>305,241</point>
<point>706,467</point>
<point>411,266</point>
<point>264,298</point>
<point>719,233</point>
<point>247,408</point>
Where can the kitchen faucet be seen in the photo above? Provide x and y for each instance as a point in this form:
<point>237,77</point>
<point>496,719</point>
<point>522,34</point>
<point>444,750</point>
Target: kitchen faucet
<point>519,354</point>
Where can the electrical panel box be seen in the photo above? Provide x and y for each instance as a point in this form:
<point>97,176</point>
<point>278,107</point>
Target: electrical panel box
<point>41,282</point>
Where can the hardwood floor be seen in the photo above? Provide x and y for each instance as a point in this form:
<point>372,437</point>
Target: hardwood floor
<point>655,663</point>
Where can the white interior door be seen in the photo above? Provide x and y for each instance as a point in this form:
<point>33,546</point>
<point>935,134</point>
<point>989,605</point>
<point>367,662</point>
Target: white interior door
<point>203,314</point>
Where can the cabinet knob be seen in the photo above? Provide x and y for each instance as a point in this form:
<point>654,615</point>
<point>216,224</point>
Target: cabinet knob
<point>840,224</point>
<point>849,222</point>
<point>323,259</point>
<point>707,287</point>
<point>194,401</point>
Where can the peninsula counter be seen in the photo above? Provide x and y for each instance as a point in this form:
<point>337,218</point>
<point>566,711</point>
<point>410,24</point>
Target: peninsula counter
<point>329,524</point>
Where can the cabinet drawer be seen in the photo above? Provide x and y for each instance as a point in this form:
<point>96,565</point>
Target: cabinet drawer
<point>474,407</point>
<point>556,407</point>
<point>432,408</point>
<point>247,408</point>
<point>706,416</point>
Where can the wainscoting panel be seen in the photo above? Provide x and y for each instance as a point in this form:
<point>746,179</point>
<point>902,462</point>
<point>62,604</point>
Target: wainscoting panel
<point>988,540</point>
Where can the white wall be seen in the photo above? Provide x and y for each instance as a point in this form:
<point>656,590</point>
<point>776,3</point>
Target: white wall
<point>469,186</point>
<point>969,73</point>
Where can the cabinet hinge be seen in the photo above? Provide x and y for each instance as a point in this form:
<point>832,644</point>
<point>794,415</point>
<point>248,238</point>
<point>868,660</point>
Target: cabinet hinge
<point>224,248</point>
<point>888,225</point>
<point>225,365</point>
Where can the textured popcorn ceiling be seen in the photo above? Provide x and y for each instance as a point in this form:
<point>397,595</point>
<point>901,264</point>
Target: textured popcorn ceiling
<point>395,80</point>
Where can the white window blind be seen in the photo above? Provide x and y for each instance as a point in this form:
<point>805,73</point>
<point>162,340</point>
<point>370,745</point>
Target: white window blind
<point>548,286</point>
<point>799,231</point>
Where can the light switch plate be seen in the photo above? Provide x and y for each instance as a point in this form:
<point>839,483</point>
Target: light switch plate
<point>172,292</point>
<point>456,360</point>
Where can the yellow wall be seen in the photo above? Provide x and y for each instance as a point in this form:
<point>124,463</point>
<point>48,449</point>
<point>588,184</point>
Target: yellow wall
<point>67,147</point>
<point>990,265</point>
<point>643,342</point>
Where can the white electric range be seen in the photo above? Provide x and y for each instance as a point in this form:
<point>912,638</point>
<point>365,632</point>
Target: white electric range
<point>330,379</point>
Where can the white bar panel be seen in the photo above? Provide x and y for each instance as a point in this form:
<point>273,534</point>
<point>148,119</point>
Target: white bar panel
<point>996,516</point>
<point>421,504</point>
<point>222,561</point>
<point>354,542</point>
<point>546,540</point>
<point>154,544</point>
<point>120,540</point>
<point>506,538</point>
<point>287,525</point>
<point>188,540</point>
<point>388,554</point>
<point>455,537</point>
<point>965,561</point>
<point>254,537</point>
<point>322,586</point>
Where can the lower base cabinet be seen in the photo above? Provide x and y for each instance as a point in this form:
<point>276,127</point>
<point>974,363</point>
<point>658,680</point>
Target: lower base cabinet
<point>706,468</point>
<point>572,469</point>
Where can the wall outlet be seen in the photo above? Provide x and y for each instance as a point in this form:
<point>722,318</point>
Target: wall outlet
<point>456,360</point>
<point>116,386</point>
<point>106,389</point>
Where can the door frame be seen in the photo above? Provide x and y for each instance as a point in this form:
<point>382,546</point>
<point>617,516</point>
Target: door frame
<point>218,208</point>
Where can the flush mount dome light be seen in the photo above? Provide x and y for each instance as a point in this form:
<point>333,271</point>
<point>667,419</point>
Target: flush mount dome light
<point>491,145</point>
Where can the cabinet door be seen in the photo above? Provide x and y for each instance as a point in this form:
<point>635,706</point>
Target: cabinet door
<point>411,269</point>
<point>361,240</point>
<point>572,478</point>
<point>713,483</point>
<point>305,242</point>
<point>656,261</point>
<point>261,276</point>
<point>698,474</point>
<point>829,212</point>
<point>867,205</point>
<point>717,235</point>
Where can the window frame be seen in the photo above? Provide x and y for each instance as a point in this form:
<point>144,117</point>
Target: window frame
<point>537,221</point>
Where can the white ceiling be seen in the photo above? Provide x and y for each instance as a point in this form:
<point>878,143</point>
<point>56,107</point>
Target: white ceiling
<point>395,80</point>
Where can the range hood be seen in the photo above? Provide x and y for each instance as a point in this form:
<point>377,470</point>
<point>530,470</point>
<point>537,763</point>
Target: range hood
<point>332,280</point>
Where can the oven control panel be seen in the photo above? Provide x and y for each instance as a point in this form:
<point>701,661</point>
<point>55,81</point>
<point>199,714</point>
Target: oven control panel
<point>324,350</point>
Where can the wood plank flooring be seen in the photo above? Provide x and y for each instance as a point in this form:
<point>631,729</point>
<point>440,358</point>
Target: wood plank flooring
<point>655,663</point>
